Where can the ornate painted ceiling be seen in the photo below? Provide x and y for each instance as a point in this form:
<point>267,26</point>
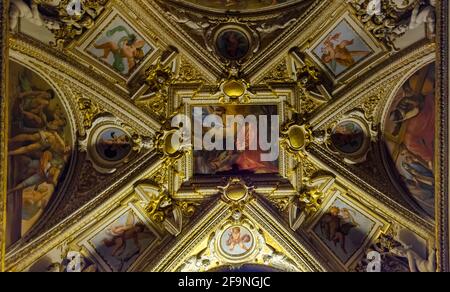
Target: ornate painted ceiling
<point>240,6</point>
<point>100,177</point>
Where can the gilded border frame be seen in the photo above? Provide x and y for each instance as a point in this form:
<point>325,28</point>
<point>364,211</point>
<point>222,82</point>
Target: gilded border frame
<point>79,49</point>
<point>380,225</point>
<point>442,225</point>
<point>442,147</point>
<point>4,7</point>
<point>378,50</point>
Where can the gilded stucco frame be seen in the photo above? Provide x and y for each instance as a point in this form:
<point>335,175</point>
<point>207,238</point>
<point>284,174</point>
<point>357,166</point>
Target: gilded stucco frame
<point>378,50</point>
<point>267,98</point>
<point>294,246</point>
<point>4,12</point>
<point>380,225</point>
<point>85,241</point>
<point>184,100</point>
<point>442,139</point>
<point>80,47</point>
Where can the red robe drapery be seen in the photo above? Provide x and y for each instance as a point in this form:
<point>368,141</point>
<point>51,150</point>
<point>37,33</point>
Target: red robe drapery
<point>420,132</point>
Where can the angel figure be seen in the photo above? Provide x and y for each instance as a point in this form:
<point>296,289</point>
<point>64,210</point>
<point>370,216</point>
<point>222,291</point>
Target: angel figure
<point>121,234</point>
<point>128,47</point>
<point>237,239</point>
<point>336,51</point>
<point>336,226</point>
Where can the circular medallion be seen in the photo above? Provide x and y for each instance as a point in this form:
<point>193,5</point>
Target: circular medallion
<point>234,88</point>
<point>237,242</point>
<point>113,145</point>
<point>348,137</point>
<point>232,44</point>
<point>236,192</point>
<point>172,143</point>
<point>296,136</point>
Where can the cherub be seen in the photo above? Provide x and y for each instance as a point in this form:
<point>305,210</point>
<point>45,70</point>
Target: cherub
<point>337,224</point>
<point>347,223</point>
<point>236,239</point>
<point>330,223</point>
<point>128,47</point>
<point>336,50</point>
<point>122,233</point>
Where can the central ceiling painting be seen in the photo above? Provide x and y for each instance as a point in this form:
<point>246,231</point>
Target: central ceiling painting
<point>233,161</point>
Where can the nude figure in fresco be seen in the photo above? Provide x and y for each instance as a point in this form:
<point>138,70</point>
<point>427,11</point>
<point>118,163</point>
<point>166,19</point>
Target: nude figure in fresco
<point>235,238</point>
<point>37,148</point>
<point>415,113</point>
<point>32,105</point>
<point>53,154</point>
<point>38,195</point>
<point>39,141</point>
<point>346,225</point>
<point>128,47</point>
<point>336,226</point>
<point>59,121</point>
<point>48,170</point>
<point>120,236</point>
<point>336,50</point>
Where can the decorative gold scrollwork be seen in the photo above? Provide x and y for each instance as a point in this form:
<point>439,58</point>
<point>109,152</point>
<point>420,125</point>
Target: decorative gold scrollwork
<point>158,81</point>
<point>385,25</point>
<point>69,27</point>
<point>308,76</point>
<point>295,138</point>
<point>311,201</point>
<point>89,110</point>
<point>163,205</point>
<point>158,78</point>
<point>170,144</point>
<point>236,192</point>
